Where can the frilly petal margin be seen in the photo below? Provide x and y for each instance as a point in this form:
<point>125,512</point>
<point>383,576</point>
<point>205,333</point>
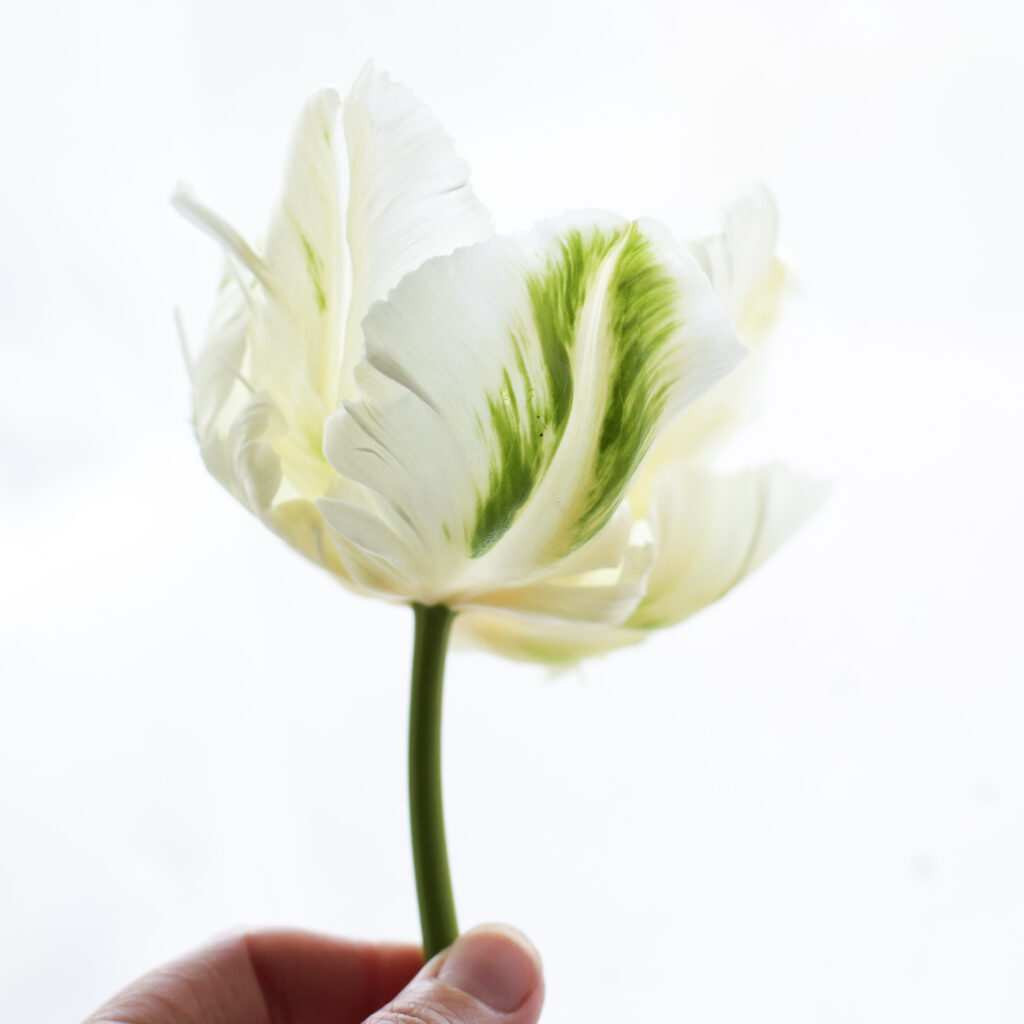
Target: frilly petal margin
<point>410,197</point>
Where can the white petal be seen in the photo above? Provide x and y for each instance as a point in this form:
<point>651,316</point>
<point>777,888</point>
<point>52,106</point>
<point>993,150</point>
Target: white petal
<point>184,200</point>
<point>557,644</point>
<point>606,597</point>
<point>296,344</point>
<point>372,546</point>
<point>300,524</point>
<point>218,369</point>
<point>360,527</point>
<point>605,550</point>
<point>409,199</point>
<point>511,390</point>
<point>282,338</point>
<point>244,460</point>
<point>370,573</point>
<point>744,269</point>
<point>741,259</point>
<point>711,531</point>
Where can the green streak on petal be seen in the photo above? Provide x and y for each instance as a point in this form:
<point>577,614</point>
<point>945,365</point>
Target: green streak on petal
<point>315,266</point>
<point>517,440</point>
<point>557,295</point>
<point>524,432</point>
<point>642,317</point>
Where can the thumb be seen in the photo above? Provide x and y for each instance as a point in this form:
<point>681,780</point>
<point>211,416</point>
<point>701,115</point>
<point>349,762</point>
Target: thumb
<point>490,975</point>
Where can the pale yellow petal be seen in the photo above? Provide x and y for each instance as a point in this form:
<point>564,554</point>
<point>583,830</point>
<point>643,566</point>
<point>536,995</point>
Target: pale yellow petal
<point>711,531</point>
<point>559,645</point>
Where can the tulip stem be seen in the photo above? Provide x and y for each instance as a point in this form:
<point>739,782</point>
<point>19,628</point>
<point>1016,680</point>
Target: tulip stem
<point>426,810</point>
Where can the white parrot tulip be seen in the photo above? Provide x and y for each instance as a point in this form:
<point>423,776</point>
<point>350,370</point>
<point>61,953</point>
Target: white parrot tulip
<point>511,426</point>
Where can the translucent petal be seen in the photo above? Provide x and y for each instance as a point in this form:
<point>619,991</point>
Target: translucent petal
<point>300,524</point>
<point>559,644</point>
<point>711,531</point>
<point>741,260</point>
<point>244,460</point>
<point>296,341</point>
<point>218,369</point>
<point>748,277</point>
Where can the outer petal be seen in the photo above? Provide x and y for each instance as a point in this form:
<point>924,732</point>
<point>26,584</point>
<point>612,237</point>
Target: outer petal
<point>300,524</point>
<point>244,460</point>
<point>511,391</point>
<point>409,196</point>
<point>216,376</point>
<point>741,262</point>
<point>560,645</point>
<point>268,372</point>
<point>296,341</point>
<point>711,531</point>
<point>326,259</point>
<point>293,308</point>
<point>233,424</point>
<point>605,597</point>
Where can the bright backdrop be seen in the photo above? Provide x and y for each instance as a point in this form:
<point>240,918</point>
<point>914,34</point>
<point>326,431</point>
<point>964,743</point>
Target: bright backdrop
<point>803,806</point>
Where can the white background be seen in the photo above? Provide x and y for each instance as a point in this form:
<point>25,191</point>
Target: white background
<point>806,804</point>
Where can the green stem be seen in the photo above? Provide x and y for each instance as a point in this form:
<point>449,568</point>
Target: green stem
<point>426,811</point>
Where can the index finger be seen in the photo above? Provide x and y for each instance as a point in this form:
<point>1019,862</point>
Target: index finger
<point>306,977</point>
<point>274,977</point>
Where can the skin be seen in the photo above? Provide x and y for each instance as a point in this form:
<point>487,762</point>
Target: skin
<point>491,975</point>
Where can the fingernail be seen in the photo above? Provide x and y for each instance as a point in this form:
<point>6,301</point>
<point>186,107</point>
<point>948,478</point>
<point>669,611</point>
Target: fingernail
<point>497,966</point>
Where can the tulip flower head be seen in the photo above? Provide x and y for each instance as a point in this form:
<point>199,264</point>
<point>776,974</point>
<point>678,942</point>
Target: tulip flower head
<point>508,425</point>
<point>513,428</point>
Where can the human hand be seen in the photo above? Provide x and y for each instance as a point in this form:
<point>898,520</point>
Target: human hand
<point>490,975</point>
